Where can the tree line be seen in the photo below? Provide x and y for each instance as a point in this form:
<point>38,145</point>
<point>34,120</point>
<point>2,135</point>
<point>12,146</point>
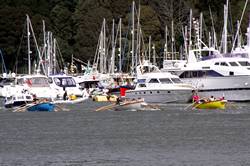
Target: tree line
<point>76,24</point>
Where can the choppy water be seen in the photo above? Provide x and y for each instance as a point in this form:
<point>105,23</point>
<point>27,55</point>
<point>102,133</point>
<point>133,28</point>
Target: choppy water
<point>173,136</point>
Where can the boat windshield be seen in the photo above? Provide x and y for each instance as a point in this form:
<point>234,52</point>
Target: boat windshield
<point>244,63</point>
<point>65,81</point>
<point>165,81</point>
<point>141,81</point>
<point>39,82</point>
<point>176,80</point>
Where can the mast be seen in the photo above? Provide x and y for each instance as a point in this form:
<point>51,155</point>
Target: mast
<point>154,54</point>
<point>28,40</point>
<point>149,49</point>
<point>133,36</point>
<point>104,47</point>
<point>54,57</point>
<point>237,33</point>
<point>200,30</point>
<point>190,29</point>
<point>172,42</point>
<point>166,43</point>
<point>120,46</point>
<point>225,28</point>
<point>37,48</point>
<point>113,48</point>
<point>138,35</point>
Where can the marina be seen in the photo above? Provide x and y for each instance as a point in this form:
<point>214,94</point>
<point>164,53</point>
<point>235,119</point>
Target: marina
<point>128,83</point>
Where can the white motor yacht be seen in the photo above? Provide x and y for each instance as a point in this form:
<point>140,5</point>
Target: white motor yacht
<point>159,87</point>
<point>213,74</point>
<point>38,85</point>
<point>67,83</point>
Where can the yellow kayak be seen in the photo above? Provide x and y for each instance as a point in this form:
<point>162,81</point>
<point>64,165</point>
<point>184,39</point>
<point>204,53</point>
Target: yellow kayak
<point>217,104</point>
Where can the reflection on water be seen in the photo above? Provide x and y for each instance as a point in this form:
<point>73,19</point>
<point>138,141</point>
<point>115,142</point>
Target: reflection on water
<point>172,136</point>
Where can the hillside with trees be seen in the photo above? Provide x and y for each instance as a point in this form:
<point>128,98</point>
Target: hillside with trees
<point>76,24</point>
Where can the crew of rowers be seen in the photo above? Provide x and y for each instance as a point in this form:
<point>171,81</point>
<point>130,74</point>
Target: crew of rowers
<point>196,98</point>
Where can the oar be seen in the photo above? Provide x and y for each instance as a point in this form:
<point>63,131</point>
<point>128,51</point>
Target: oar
<point>58,108</point>
<point>197,106</point>
<point>189,105</point>
<point>22,108</point>
<point>233,105</point>
<point>107,107</point>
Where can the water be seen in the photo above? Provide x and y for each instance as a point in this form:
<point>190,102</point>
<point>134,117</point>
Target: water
<point>173,136</point>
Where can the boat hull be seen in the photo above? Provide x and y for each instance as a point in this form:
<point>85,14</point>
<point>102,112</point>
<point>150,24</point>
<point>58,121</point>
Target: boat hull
<point>43,107</point>
<point>220,104</point>
<point>233,88</point>
<point>130,105</point>
<point>161,96</point>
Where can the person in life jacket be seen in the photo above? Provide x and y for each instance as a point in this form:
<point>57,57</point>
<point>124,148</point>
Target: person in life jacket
<point>196,97</point>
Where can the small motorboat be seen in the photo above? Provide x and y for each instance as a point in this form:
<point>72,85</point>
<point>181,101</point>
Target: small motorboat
<point>18,99</point>
<point>44,107</point>
<point>216,104</point>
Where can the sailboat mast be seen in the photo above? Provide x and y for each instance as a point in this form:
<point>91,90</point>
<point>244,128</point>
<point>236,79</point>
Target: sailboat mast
<point>104,46</point>
<point>172,43</point>
<point>149,49</point>
<point>54,57</point>
<point>113,48</point>
<point>225,28</point>
<point>166,43</point>
<point>28,40</point>
<point>138,36</point>
<point>133,36</point>
<point>190,29</point>
<point>120,45</point>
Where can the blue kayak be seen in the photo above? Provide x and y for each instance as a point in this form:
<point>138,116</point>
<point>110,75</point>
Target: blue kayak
<point>44,107</point>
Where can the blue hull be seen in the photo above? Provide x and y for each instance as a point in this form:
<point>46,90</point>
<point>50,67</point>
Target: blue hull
<point>44,107</point>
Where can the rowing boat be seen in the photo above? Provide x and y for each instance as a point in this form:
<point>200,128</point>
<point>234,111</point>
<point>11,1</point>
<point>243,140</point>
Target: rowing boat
<point>45,107</point>
<point>130,105</point>
<point>217,104</point>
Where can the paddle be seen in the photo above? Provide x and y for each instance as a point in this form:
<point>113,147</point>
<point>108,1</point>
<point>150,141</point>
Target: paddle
<point>233,105</point>
<point>189,105</point>
<point>107,107</point>
<point>22,108</point>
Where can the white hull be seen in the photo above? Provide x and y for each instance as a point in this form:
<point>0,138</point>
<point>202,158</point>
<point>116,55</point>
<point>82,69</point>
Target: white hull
<point>78,100</point>
<point>233,88</point>
<point>161,96</point>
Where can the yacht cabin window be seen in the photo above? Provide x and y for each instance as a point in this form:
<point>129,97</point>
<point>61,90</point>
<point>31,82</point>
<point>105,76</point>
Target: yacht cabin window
<point>223,64</point>
<point>153,80</point>
<point>142,85</point>
<point>141,80</point>
<point>65,82</point>
<point>233,64</point>
<point>216,63</point>
<point>195,74</point>
<point>165,81</point>
<point>244,63</point>
<point>176,80</point>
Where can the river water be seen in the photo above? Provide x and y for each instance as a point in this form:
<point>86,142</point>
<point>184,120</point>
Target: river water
<point>173,136</point>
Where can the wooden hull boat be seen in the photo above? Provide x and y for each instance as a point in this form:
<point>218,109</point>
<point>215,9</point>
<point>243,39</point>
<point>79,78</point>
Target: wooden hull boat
<point>217,104</point>
<point>130,105</point>
<point>44,107</point>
